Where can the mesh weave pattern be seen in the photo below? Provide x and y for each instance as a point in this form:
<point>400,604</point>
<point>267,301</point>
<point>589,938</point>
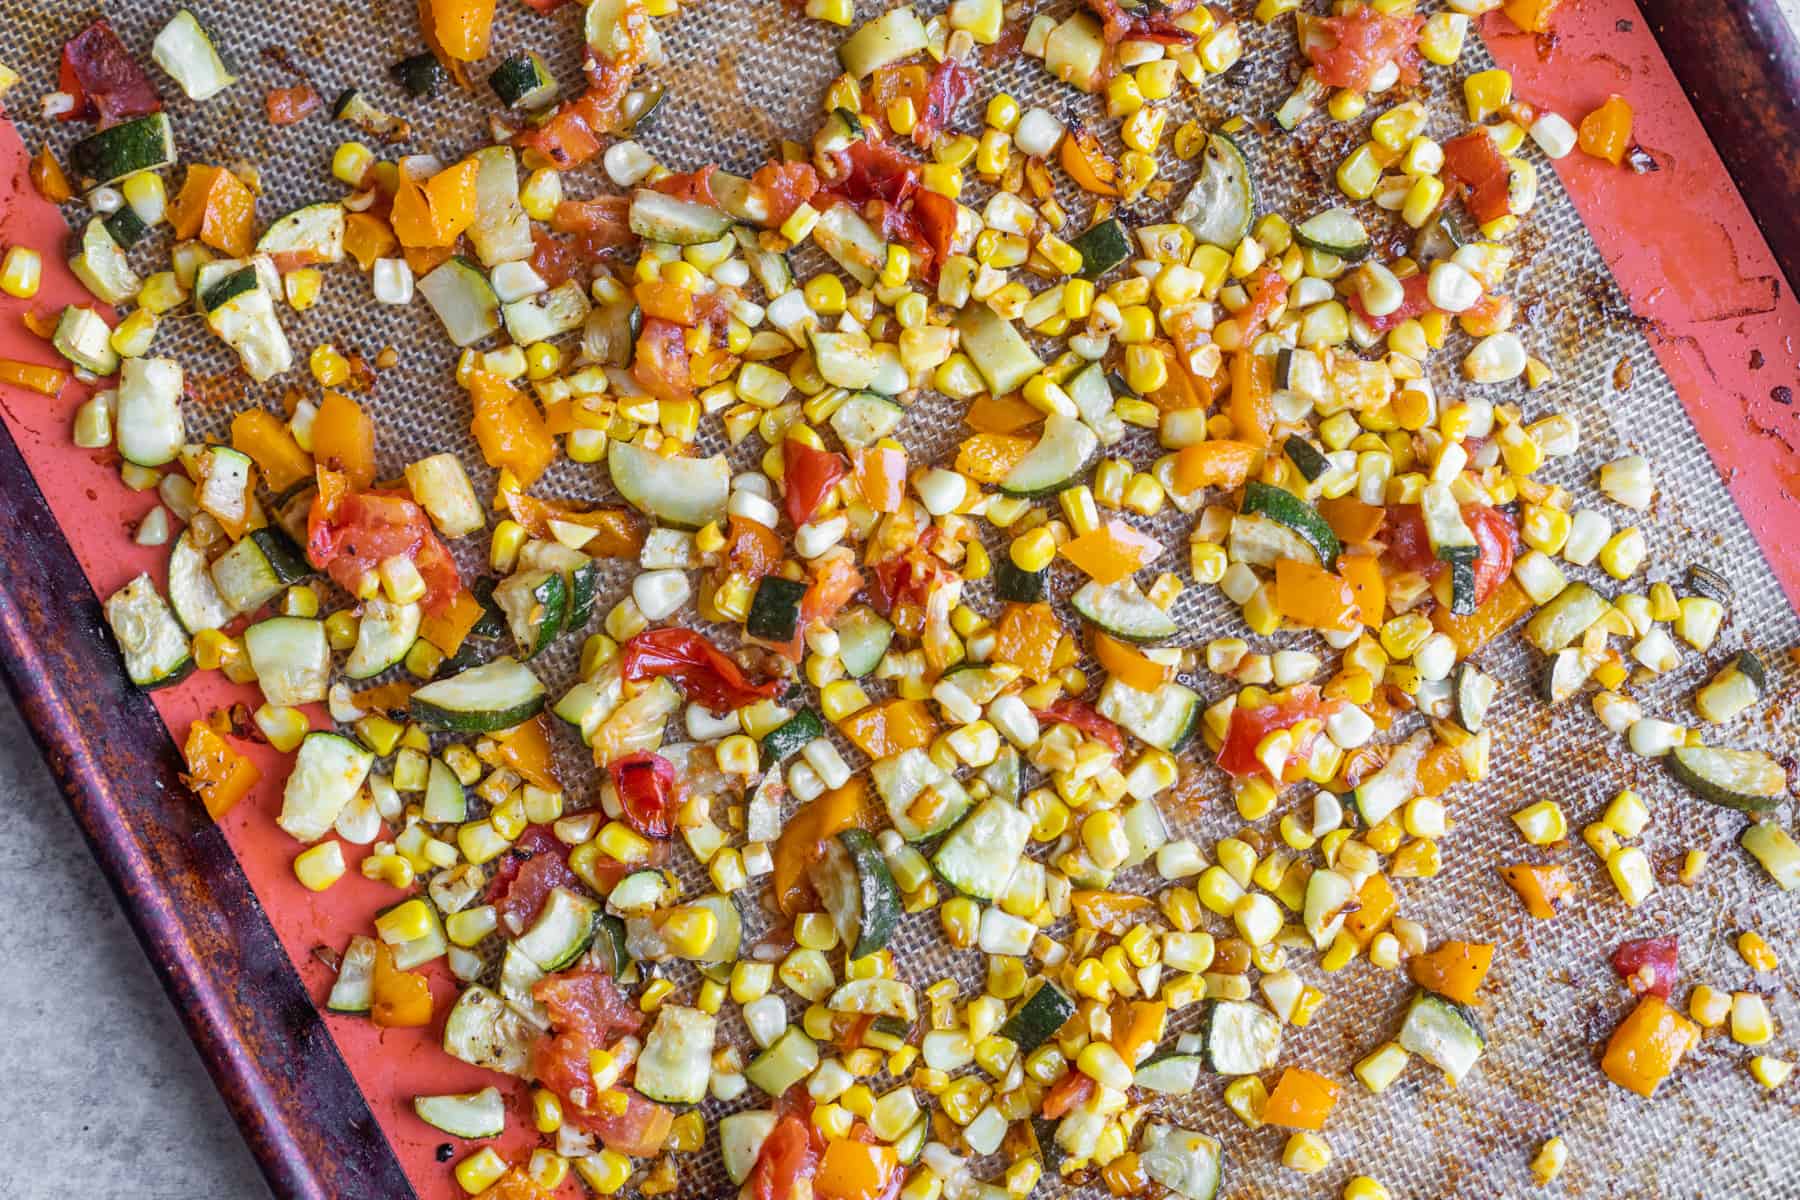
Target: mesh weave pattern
<point>739,76</point>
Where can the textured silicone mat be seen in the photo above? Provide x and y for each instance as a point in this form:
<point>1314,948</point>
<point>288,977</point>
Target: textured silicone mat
<point>739,76</point>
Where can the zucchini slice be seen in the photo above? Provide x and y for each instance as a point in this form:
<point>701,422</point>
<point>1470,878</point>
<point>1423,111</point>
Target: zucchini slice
<point>852,242</point>
<point>126,227</point>
<point>1475,692</point>
<point>775,609</point>
<point>1123,611</point>
<point>383,636</point>
<point>1747,780</point>
<point>83,337</point>
<point>791,736</point>
<point>196,602</point>
<point>1241,1038</point>
<point>354,989</point>
<point>292,659</point>
<point>328,771</point>
<point>1394,784</point>
<point>1061,454</point>
<point>1170,1074</point>
<point>1704,581</point>
<point>1219,206</point>
<point>1165,718</point>
<point>792,1058</point>
<point>241,311</point>
<point>1019,587</point>
<point>741,1138</point>
<point>1563,675</point>
<point>845,360</point>
<point>1727,694</point>
<point>1307,458</point>
<point>463,300</point>
<point>981,853</point>
<point>1102,246</point>
<point>863,638</point>
<point>353,107</point>
<point>638,894</point>
<point>307,237</point>
<point>1286,509</point>
<point>676,1060</point>
<point>657,217</point>
<point>144,144</point>
<point>1038,1017</point>
<point>922,799</point>
<point>865,418</point>
<point>1189,1164</point>
<point>1335,231</point>
<point>497,695</point>
<point>1443,1033</point>
<point>1004,359</point>
<point>562,930</point>
<point>502,231</point>
<point>522,80</point>
<point>421,75</point>
<point>536,604</point>
<point>483,1031</point>
<point>857,889</point>
<point>471,1115</point>
<point>101,264</point>
<point>895,35</point>
<point>187,53</point>
<point>151,431</point>
<point>445,801</point>
<point>562,309</point>
<point>1565,618</point>
<point>687,492</point>
<point>151,640</point>
<point>772,270</point>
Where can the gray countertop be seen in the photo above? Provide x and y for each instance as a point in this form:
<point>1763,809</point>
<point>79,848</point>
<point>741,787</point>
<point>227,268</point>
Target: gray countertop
<point>112,1087</point>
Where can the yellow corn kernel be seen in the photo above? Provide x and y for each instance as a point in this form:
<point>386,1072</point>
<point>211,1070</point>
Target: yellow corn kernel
<point>320,866</point>
<point>22,272</point>
<point>605,1172</point>
<point>481,1170</point>
<point>541,194</point>
<point>1307,1153</point>
<point>1769,1071</point>
<point>1033,551</point>
<point>1486,93</point>
<point>328,367</point>
<point>1248,1097</point>
<point>1756,952</point>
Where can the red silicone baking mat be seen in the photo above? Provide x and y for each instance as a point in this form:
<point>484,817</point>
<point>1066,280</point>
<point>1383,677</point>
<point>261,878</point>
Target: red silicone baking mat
<point>1679,241</point>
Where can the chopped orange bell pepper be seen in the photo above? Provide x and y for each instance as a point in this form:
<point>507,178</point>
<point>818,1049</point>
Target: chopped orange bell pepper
<point>1454,969</point>
<point>462,28</point>
<point>1353,521</point>
<point>1087,164</point>
<point>367,238</point>
<point>1112,552</point>
<point>1544,888</point>
<point>1109,912</point>
<point>1302,1100</point>
<point>1215,463</point>
<point>1027,637</point>
<point>853,1170</point>
<point>217,207</point>
<point>216,773</point>
<point>803,838</point>
<point>1181,389</point>
<point>1312,596</point>
<point>343,439</point>
<point>509,430</point>
<point>1500,612</point>
<point>448,629</point>
<point>1001,414</point>
<point>1647,1045</point>
<point>423,260</point>
<point>1251,405</point>
<point>260,434</point>
<point>1368,587</point>
<point>1441,767</point>
<point>890,727</point>
<point>1139,1028</point>
<point>1606,132</point>
<point>1376,906</point>
<point>401,999</point>
<point>881,474</point>
<point>391,698</point>
<point>433,214</point>
<point>1533,16</point>
<point>1128,664</point>
<point>619,531</point>
<point>48,177</point>
<point>987,457</point>
<point>45,381</point>
<point>526,749</point>
<point>668,301</point>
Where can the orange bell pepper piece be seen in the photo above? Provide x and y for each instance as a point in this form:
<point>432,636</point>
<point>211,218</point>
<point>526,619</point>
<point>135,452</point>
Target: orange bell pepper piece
<point>620,530</point>
<point>1368,587</point>
<point>462,28</point>
<point>888,728</point>
<point>1647,1045</point>
<point>402,999</point>
<point>1606,132</point>
<point>1441,767</point>
<point>1314,597</point>
<point>1215,463</point>
<point>1112,552</point>
<point>433,214</point>
<point>1087,163</point>
<point>1251,404</point>
<point>391,698</point>
<point>1377,905</point>
<point>217,207</point>
<point>45,381</point>
<point>260,434</point>
<point>1181,390</point>
<point>367,238</point>
<point>1353,521</point>
<point>1501,612</point>
<point>852,1170</point>
<point>1543,888</point>
<point>448,630</point>
<point>1140,1028</point>
<point>1127,664</point>
<point>1454,969</point>
<point>881,473</point>
<point>1072,1089</point>
<point>526,749</point>
<point>803,838</point>
<point>50,180</point>
<point>1532,16</point>
<point>1027,637</point>
<point>343,439</point>
<point>987,457</point>
<point>1109,912</point>
<point>1001,414</point>
<point>669,301</point>
<point>1302,1100</point>
<point>216,772</point>
<point>509,430</point>
<point>423,260</point>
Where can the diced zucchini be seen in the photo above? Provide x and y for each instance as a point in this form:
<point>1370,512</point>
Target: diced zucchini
<point>563,929</point>
<point>1062,453</point>
<point>1241,1038</point>
<point>1335,231</point>
<point>383,636</point>
<point>1475,692</point>
<point>497,695</point>
<point>683,491</point>
<point>421,75</point>
<point>309,236</point>
<point>1288,510</point>
<point>857,889</point>
<point>483,1031</point>
<point>1565,618</point>
<point>151,431</point>
<point>1733,689</point>
<point>775,609</point>
<point>1747,780</point>
<point>791,736</point>
<point>354,107</point>
<point>143,144</point>
<point>1037,1019</point>
<point>292,659</point>
<point>1219,206</point>
<point>247,323</point>
<point>1443,1033</point>
<point>502,231</point>
<point>1170,1074</point>
<point>550,314</point>
<point>1165,718</point>
<point>523,81</point>
<point>1123,611</point>
<point>463,300</point>
<point>659,217</point>
<point>469,1115</point>
<point>328,771</point>
<point>852,242</point>
<point>993,344</point>
<point>102,267</point>
<point>1394,784</point>
<point>151,640</point>
<point>863,638</point>
<point>980,855</point>
<point>792,1058</point>
<point>676,1060</point>
<point>922,799</point>
<point>741,1138</point>
<point>446,802</point>
<point>896,34</point>
<point>1191,1165</point>
<point>864,418</point>
<point>1102,246</point>
<point>187,53</point>
<point>536,604</point>
<point>354,989</point>
<point>192,595</point>
<point>85,339</point>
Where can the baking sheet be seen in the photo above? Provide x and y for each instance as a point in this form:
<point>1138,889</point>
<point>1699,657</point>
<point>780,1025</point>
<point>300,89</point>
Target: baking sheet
<point>1551,998</point>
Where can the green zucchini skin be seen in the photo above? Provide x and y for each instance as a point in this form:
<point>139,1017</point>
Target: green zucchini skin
<point>775,609</point>
<point>791,736</point>
<point>1285,508</point>
<point>1018,586</point>
<point>1102,247</point>
<point>421,75</point>
<point>1043,1013</point>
